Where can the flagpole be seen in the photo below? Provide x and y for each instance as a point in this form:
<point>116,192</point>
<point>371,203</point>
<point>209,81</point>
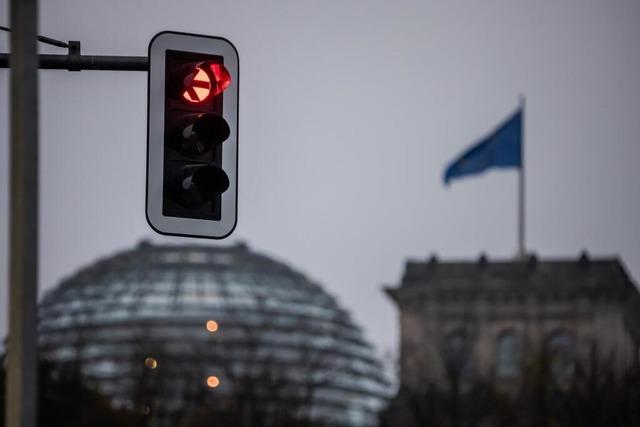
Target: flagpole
<point>521,189</point>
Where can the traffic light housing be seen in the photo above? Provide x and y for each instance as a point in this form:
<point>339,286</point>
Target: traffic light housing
<point>192,136</point>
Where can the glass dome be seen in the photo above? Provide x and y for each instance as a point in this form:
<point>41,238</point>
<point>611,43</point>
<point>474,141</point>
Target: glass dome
<point>162,328</point>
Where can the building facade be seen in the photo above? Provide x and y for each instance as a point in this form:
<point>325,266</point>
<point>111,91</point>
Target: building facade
<point>184,332</point>
<point>488,320</point>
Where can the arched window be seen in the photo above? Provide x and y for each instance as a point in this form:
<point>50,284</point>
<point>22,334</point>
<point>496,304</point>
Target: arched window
<point>509,355</point>
<point>562,353</point>
<point>458,348</point>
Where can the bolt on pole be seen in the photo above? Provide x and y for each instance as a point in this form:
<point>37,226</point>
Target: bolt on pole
<point>21,403</point>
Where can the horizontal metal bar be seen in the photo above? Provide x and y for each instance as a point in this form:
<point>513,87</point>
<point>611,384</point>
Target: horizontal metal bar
<point>86,62</point>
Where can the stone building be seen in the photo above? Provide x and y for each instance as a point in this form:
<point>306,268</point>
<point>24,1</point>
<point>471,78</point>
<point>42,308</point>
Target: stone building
<point>486,319</point>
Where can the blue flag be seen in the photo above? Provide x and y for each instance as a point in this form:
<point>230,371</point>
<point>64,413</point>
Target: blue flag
<point>501,149</point>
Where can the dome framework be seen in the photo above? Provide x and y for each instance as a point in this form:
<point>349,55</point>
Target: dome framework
<point>193,333</point>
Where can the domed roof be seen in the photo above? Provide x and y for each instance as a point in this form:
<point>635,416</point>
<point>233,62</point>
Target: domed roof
<point>203,309</point>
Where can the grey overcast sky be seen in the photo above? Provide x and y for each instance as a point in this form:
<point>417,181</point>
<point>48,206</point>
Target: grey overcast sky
<point>349,111</point>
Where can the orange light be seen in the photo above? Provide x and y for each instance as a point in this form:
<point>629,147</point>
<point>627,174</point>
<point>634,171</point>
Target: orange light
<point>212,326</point>
<point>213,381</point>
<point>151,363</point>
<point>197,86</point>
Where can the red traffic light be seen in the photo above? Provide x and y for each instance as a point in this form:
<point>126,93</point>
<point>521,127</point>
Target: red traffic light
<point>192,160</point>
<point>197,86</point>
<point>206,80</point>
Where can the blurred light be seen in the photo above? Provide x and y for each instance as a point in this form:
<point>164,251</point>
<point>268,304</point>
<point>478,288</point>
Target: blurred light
<point>151,363</point>
<point>146,410</point>
<point>212,325</point>
<point>213,381</point>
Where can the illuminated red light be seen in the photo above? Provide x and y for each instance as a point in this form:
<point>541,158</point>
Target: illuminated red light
<point>197,86</point>
<point>205,81</point>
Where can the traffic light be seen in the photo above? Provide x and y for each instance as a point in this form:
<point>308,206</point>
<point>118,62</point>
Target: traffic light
<point>192,135</point>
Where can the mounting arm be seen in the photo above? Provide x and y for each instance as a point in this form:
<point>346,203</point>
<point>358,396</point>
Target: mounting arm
<point>74,61</point>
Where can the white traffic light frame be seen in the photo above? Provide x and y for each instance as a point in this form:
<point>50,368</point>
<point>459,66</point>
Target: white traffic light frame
<point>169,40</point>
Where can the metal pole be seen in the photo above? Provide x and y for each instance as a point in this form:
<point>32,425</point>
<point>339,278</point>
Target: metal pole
<point>86,62</point>
<point>21,404</point>
<point>521,188</point>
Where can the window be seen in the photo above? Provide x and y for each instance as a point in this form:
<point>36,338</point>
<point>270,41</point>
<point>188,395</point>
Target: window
<point>197,257</point>
<point>172,257</point>
<point>458,355</point>
<point>508,355</point>
<point>561,352</point>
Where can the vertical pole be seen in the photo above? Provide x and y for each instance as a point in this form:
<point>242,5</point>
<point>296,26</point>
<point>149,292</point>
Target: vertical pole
<point>521,188</point>
<point>21,404</point>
